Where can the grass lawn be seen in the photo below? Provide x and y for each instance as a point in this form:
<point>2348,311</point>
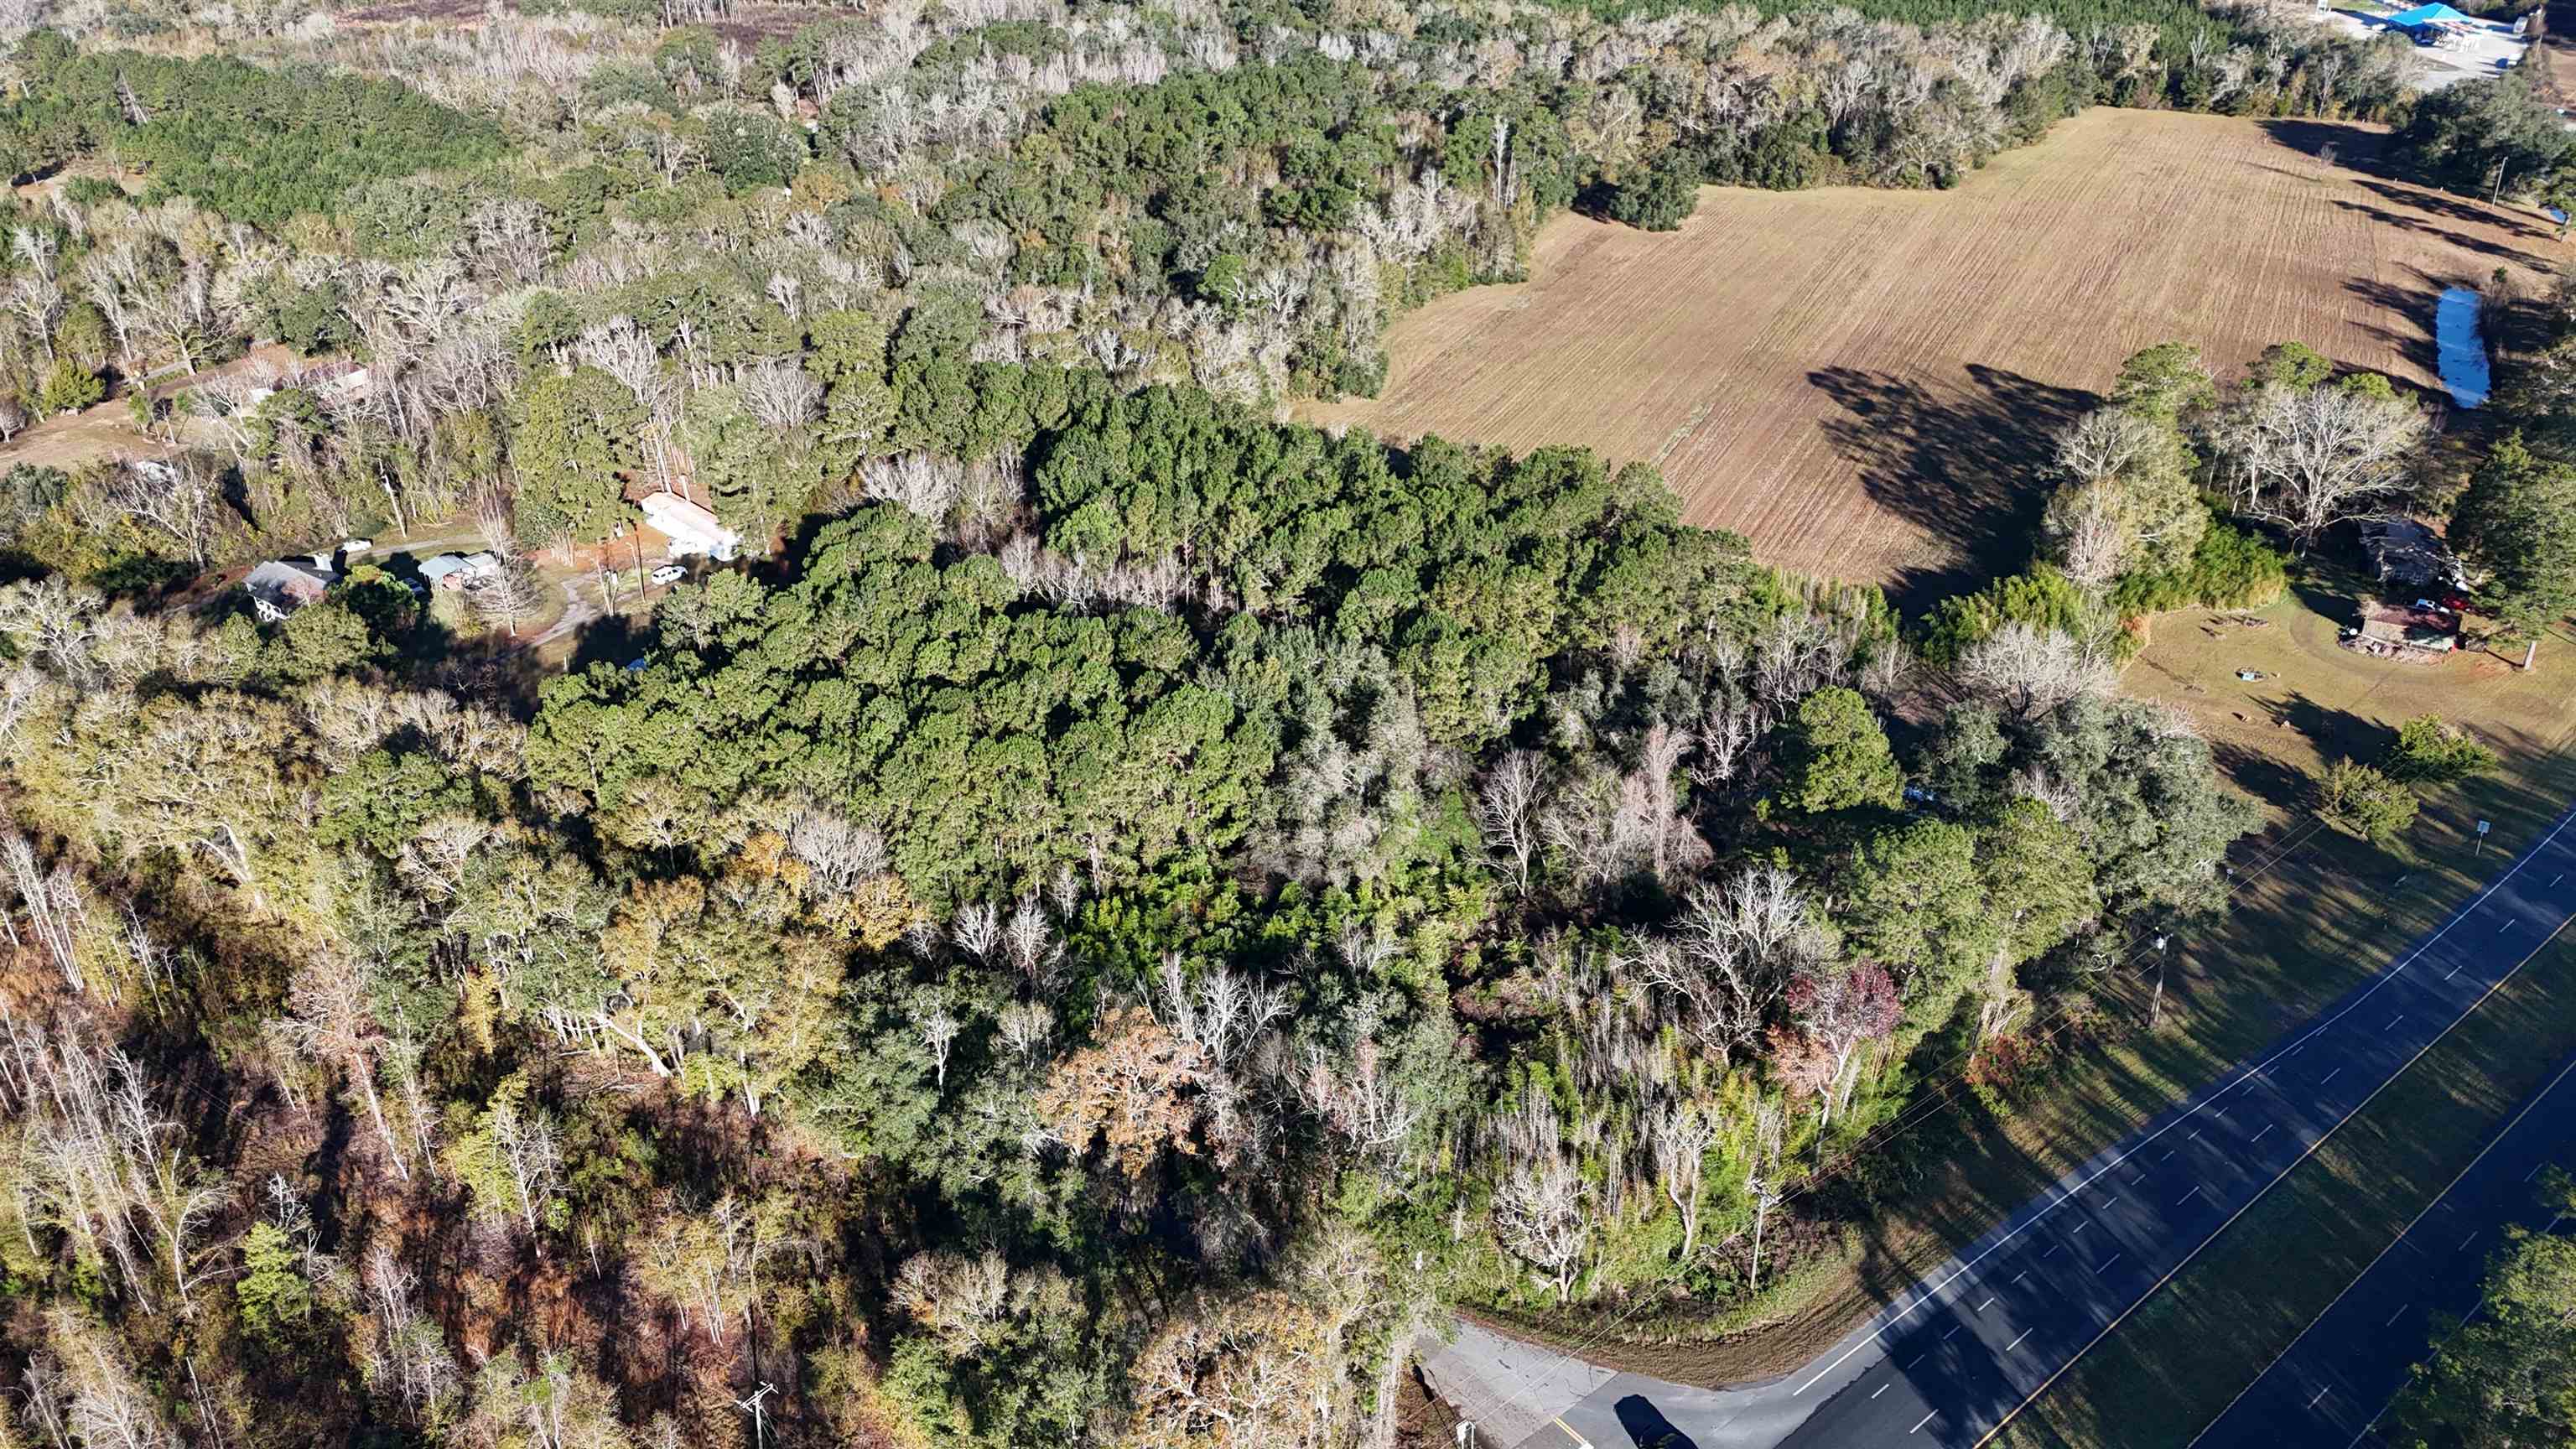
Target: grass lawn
<point>2183,1356</point>
<point>2179,1360</point>
<point>2314,913</point>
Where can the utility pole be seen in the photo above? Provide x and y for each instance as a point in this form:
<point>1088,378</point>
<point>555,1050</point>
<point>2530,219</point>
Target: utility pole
<point>2156,1009</point>
<point>759,1421</point>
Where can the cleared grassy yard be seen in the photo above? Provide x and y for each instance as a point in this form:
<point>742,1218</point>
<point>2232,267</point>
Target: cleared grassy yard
<point>2314,913</point>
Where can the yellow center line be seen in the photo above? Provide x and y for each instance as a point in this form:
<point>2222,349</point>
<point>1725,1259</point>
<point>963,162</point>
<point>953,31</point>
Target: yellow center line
<point>2434,1202</point>
<point>2221,1230</point>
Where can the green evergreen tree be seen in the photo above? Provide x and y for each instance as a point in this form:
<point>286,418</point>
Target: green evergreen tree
<point>1835,756</point>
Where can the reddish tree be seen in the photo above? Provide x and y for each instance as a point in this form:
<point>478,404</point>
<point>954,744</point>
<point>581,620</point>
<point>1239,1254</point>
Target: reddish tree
<point>1839,1011</point>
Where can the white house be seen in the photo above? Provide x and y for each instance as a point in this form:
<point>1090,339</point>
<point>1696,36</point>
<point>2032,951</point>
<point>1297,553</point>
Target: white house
<point>691,529</point>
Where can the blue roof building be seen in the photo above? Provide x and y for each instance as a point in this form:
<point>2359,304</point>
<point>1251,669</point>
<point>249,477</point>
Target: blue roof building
<point>2423,15</point>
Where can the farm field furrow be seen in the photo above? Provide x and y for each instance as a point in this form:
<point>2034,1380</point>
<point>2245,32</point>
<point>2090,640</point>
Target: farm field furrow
<point>1864,382</point>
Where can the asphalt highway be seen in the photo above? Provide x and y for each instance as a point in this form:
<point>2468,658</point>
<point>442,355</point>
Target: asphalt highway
<point>1979,1336</point>
<point>2331,1388</point>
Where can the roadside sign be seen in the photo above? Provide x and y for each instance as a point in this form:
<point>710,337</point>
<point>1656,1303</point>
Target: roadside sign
<point>2482,827</point>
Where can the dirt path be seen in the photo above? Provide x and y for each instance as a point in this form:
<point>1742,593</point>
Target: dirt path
<point>67,440</point>
<point>578,611</point>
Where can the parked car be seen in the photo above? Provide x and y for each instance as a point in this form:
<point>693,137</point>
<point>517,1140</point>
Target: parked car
<point>669,574</point>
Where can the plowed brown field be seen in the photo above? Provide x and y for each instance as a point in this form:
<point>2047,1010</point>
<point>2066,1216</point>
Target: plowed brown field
<point>1862,382</point>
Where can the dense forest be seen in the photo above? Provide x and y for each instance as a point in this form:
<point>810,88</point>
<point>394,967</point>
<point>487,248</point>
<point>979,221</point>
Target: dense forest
<point>1120,911</point>
<point>1237,201</point>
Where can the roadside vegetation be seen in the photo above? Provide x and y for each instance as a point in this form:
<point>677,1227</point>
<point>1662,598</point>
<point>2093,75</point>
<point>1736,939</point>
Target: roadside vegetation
<point>2503,1378</point>
<point>2179,1361</point>
<point>2185,1354</point>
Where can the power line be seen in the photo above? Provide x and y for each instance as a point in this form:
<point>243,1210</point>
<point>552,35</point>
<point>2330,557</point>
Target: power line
<point>1913,1117</point>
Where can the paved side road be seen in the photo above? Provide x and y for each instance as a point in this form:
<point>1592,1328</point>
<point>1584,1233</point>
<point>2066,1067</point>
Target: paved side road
<point>1987,1330</point>
<point>2331,1387</point>
<point>1508,1389</point>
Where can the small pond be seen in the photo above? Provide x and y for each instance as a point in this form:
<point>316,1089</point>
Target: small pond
<point>2463,353</point>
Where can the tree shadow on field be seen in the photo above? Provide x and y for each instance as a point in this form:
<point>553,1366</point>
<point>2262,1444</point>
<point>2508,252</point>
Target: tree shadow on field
<point>2336,733</point>
<point>2457,208</point>
<point>2264,777</point>
<point>2343,146</point>
<point>1965,465</point>
<point>2419,302</point>
<point>2465,242</point>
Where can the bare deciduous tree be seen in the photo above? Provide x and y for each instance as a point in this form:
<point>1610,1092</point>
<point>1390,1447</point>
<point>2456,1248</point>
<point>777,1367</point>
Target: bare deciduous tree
<point>1727,729</point>
<point>1361,1101</point>
<point>2307,458</point>
<point>509,595</point>
<point>1679,1134</point>
<point>780,394</point>
<point>1762,1178</point>
<point>54,906</point>
<point>2033,669</point>
<point>1506,807</point>
<point>330,1022</point>
<point>1025,1027</point>
<point>1737,944</point>
<point>1542,1207</point>
<point>938,1029</point>
<point>523,1141</point>
<point>107,1405</point>
<point>978,929</point>
<point>178,498</point>
<point>1029,939</point>
<point>406,1355</point>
